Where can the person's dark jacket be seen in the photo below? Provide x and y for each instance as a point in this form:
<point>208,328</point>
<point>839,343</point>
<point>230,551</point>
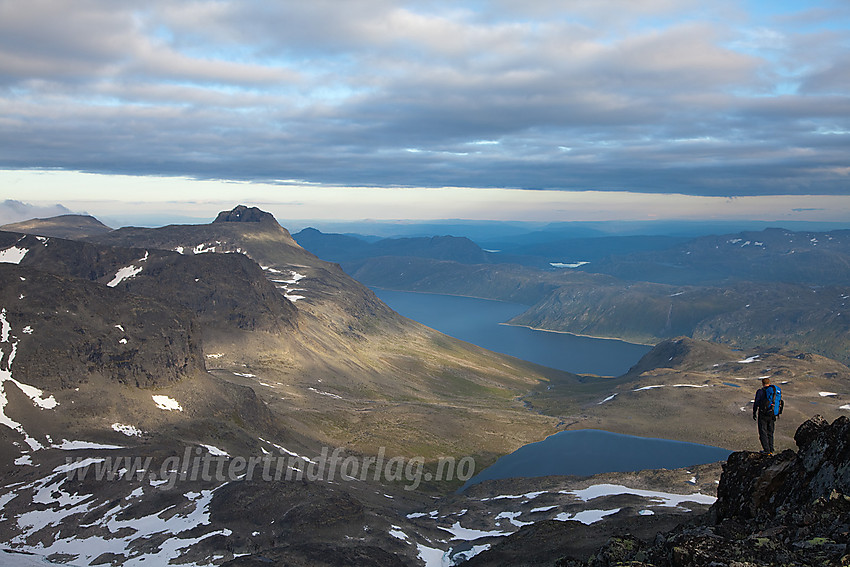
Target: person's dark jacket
<point>761,400</point>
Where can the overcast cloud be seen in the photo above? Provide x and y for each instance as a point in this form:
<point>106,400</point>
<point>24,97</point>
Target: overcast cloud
<point>740,98</point>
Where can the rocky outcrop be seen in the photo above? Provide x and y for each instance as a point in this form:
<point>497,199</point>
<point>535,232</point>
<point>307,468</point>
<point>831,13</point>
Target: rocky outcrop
<point>785,509</point>
<point>763,488</point>
<point>242,213</point>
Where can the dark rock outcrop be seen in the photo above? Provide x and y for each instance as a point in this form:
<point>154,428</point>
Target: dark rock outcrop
<point>785,509</point>
<point>242,213</point>
<point>770,488</point>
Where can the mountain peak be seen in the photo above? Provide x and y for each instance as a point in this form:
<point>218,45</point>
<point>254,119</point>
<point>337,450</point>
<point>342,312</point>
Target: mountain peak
<point>242,213</point>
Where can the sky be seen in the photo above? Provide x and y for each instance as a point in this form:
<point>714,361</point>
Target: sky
<point>428,108</point>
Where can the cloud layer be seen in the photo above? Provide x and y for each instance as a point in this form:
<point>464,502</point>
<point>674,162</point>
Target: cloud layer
<point>655,96</point>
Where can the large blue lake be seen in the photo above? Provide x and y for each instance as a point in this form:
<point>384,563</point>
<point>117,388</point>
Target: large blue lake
<point>478,321</point>
<point>589,451</point>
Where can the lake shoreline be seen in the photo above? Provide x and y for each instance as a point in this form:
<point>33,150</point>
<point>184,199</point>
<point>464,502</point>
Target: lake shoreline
<point>482,322</point>
<point>619,339</point>
<point>601,337</point>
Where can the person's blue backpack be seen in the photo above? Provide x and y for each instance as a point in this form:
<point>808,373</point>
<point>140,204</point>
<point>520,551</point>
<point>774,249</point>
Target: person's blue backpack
<point>773,399</point>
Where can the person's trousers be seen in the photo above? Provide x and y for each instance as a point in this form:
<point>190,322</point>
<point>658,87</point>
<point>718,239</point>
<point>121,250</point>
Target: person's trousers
<point>767,423</point>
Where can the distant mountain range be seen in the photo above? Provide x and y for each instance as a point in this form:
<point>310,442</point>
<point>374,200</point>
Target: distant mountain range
<point>772,287</point>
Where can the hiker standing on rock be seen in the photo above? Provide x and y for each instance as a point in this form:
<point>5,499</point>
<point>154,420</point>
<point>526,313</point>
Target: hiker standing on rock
<point>766,408</point>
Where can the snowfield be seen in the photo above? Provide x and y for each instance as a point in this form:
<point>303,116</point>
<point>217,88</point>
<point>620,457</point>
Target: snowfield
<point>124,273</point>
<point>166,403</point>
<point>13,255</point>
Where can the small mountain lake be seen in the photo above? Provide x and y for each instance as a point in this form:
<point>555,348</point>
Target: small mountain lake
<point>589,451</point>
<point>478,321</point>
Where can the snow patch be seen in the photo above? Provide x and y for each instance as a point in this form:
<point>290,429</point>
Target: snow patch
<point>749,359</point>
<point>466,534</point>
<point>205,247</point>
<point>527,496</point>
<point>215,451</point>
<point>608,399</point>
<point>13,255</point>
<point>35,395</point>
<point>512,518</point>
<point>166,403</point>
<point>128,430</point>
<point>542,509</point>
<point>285,450</point>
<point>648,388</point>
<point>5,329</point>
<point>432,556</point>
<point>586,517</point>
<point>68,467</point>
<point>175,529</point>
<point>124,273</point>
<point>665,499</point>
<point>24,460</point>
<point>66,445</point>
<point>286,285</point>
<point>827,394</point>
<point>460,557</point>
<point>567,264</point>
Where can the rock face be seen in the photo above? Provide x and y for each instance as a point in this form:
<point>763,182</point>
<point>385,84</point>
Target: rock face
<point>764,488</point>
<point>245,214</point>
<point>223,290</point>
<point>785,509</point>
<point>66,330</point>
